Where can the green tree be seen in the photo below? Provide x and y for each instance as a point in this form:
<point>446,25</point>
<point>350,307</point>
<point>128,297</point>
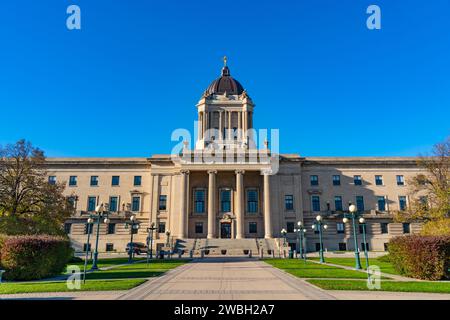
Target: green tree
<point>430,192</point>
<point>29,204</point>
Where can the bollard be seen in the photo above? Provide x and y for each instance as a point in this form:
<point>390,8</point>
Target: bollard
<point>191,254</point>
<point>202,254</point>
<point>262,253</point>
<point>273,254</point>
<point>1,274</point>
<point>250,254</point>
<point>180,253</point>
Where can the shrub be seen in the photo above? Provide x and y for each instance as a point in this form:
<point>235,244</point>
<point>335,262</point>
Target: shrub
<point>385,258</point>
<point>34,257</point>
<point>423,257</point>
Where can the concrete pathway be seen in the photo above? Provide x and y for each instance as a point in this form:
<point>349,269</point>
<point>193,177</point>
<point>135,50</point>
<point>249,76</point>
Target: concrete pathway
<point>226,278</point>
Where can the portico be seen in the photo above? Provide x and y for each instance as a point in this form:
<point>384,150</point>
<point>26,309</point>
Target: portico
<point>224,204</point>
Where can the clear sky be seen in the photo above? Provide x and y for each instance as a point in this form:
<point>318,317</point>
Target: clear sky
<point>134,72</point>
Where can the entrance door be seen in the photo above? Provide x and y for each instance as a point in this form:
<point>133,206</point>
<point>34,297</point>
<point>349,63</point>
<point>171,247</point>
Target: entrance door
<point>225,230</point>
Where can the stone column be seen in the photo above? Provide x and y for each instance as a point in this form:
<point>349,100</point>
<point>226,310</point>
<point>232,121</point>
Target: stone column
<point>212,204</point>
<point>229,125</point>
<point>239,204</point>
<point>183,204</point>
<point>239,113</point>
<point>267,215</point>
<point>220,137</point>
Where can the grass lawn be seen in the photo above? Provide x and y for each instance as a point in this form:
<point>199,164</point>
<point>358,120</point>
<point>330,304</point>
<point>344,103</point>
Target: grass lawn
<point>60,286</point>
<point>299,269</point>
<point>398,286</point>
<point>105,262</point>
<point>138,270</point>
<point>385,267</point>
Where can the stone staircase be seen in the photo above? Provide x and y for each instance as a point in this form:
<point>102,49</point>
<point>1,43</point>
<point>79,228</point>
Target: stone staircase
<point>221,247</point>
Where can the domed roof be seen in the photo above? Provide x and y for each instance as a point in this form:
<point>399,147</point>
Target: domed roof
<point>225,84</point>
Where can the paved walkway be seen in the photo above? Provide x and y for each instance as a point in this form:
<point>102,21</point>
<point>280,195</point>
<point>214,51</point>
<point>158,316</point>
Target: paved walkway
<point>226,278</point>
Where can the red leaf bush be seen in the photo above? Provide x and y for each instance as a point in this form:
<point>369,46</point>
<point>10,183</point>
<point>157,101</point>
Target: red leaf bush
<point>34,257</point>
<point>422,257</point>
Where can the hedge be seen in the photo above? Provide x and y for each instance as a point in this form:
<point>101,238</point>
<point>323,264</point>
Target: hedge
<point>422,257</point>
<point>34,257</point>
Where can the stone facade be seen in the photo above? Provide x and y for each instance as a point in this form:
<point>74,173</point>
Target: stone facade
<point>246,198</point>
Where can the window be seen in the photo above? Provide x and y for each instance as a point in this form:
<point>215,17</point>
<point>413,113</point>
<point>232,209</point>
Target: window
<point>406,228</point>
<point>86,247</point>
<point>161,227</point>
<point>315,203</point>
<point>381,203</point>
<point>340,227</point>
<point>88,228</point>
<point>402,203</point>
<point>342,246</point>
<point>361,228</point>
<point>314,180</point>
<point>336,180</point>
<point>360,203</point>
<point>290,226</point>
<point>111,228</point>
<point>94,181</point>
<point>423,201</point>
<point>72,202</point>
<point>113,204</point>
<point>252,201</point>
<point>400,181</point>
<point>317,246</point>
<point>199,201</point>
<point>162,202</point>
<point>137,181</point>
<point>52,179</point>
<point>225,200</point>
<point>109,247</point>
<point>338,203</point>
<point>67,228</point>
<point>199,227</point>
<point>252,227</point>
<point>357,180</point>
<point>379,180</point>
<point>115,180</point>
<point>135,204</point>
<point>92,202</point>
<point>289,202</point>
<point>72,181</point>
<point>364,246</point>
<point>384,226</point>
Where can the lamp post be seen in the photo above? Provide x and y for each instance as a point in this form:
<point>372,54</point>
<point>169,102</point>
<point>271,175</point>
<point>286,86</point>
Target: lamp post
<point>319,225</point>
<point>150,241</point>
<point>89,228</point>
<point>300,230</point>
<point>362,221</point>
<point>134,226</point>
<point>353,211</point>
<point>100,213</point>
<point>284,233</point>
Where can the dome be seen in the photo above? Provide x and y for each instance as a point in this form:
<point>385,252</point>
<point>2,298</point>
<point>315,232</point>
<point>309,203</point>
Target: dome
<point>225,84</point>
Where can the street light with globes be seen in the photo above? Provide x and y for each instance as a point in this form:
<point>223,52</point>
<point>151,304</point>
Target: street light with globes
<point>353,211</point>
<point>319,225</point>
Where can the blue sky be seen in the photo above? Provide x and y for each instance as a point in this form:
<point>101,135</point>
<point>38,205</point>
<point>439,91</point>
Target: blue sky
<point>332,87</point>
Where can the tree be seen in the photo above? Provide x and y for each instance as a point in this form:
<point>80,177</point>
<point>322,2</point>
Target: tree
<point>430,192</point>
<point>29,204</point>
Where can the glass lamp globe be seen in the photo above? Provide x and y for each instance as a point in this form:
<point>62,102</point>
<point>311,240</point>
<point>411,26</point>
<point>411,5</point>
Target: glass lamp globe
<point>352,208</point>
<point>325,227</point>
<point>313,226</point>
<point>319,217</point>
<point>345,220</point>
<point>362,220</point>
<point>106,220</point>
<point>299,223</point>
<point>132,218</point>
<point>89,220</point>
